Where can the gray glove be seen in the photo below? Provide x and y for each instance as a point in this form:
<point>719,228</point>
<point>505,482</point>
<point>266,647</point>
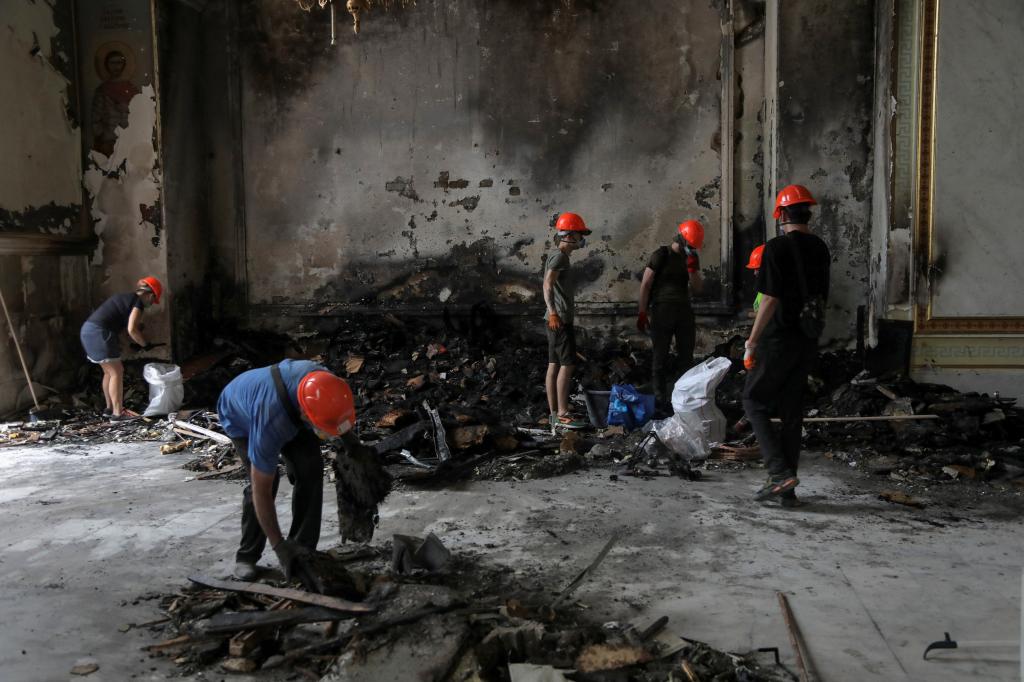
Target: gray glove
<point>292,557</point>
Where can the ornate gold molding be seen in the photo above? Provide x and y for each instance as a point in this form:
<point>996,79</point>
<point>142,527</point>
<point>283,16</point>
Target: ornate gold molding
<point>925,322</point>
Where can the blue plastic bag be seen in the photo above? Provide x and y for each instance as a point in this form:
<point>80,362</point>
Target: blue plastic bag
<point>629,408</point>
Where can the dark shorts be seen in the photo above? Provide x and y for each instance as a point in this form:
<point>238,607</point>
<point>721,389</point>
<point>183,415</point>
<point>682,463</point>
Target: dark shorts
<point>562,346</point>
<point>100,344</point>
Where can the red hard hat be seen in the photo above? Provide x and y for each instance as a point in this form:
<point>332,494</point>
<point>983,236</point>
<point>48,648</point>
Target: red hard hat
<point>792,194</point>
<point>693,233</point>
<point>571,222</point>
<point>327,402</point>
<point>755,258</point>
<point>153,284</point>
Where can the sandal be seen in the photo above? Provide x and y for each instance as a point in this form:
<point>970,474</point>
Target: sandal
<point>776,486</point>
<point>570,421</point>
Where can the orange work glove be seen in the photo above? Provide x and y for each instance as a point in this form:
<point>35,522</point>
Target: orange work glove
<point>642,323</point>
<point>749,361</point>
<point>554,322</point>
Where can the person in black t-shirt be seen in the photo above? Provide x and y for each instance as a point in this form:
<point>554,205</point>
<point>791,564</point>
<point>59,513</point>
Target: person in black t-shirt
<point>665,307</point>
<point>779,352</point>
<point>100,337</point>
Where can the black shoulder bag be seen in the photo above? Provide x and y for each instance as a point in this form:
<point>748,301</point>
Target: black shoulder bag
<point>812,308</point>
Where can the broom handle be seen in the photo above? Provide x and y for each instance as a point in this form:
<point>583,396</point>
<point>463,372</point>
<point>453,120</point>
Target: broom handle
<point>17,347</point>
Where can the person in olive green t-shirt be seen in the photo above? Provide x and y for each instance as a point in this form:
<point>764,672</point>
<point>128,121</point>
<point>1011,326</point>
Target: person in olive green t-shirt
<point>559,295</point>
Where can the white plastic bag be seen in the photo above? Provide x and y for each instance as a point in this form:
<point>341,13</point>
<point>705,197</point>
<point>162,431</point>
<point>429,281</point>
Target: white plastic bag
<point>683,433</point>
<point>166,392</point>
<point>694,393</point>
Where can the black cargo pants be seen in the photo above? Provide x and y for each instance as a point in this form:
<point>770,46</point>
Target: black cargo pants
<point>305,469</point>
<point>671,321</point>
<point>775,387</point>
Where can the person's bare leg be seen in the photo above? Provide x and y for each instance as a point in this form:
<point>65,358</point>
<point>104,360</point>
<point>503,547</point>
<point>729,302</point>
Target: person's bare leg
<point>116,385</point>
<point>106,385</point>
<point>550,383</point>
<point>564,379</point>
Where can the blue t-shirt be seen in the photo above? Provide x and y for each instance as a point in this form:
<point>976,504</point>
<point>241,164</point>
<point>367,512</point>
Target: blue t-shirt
<point>249,408</point>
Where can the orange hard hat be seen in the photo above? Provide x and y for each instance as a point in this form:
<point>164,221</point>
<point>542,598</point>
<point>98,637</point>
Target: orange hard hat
<point>693,232</point>
<point>755,258</point>
<point>792,194</point>
<point>153,284</point>
<point>327,402</point>
<point>571,222</point>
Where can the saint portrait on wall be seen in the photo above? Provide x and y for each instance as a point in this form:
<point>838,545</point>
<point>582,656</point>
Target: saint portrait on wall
<point>115,65</point>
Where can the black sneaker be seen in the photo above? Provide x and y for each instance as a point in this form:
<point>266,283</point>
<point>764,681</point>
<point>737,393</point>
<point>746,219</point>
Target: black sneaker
<point>776,486</point>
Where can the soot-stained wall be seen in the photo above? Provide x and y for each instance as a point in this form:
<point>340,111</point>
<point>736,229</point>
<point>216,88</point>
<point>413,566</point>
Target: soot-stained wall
<point>40,159</point>
<point>43,274</point>
<point>424,160</point>
<point>826,64</point>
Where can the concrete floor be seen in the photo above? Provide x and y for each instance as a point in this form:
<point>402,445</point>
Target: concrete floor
<point>93,534</point>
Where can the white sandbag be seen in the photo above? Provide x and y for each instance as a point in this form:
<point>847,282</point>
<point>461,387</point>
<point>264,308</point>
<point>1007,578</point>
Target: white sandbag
<point>694,393</point>
<point>166,392</point>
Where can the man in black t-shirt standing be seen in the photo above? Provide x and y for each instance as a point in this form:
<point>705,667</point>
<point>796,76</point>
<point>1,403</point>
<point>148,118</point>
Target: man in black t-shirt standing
<point>665,288</point>
<point>783,345</point>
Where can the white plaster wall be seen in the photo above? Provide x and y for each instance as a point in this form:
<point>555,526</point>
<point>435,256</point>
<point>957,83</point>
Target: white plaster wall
<point>40,151</point>
<point>978,202</point>
<point>121,188</point>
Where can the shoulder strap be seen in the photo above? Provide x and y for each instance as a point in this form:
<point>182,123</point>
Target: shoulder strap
<point>282,395</point>
<point>801,277</point>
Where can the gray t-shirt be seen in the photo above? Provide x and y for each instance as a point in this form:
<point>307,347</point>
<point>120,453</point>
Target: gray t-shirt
<point>563,292</point>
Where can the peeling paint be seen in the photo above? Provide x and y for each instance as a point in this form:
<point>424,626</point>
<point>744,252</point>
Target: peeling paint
<point>40,145</point>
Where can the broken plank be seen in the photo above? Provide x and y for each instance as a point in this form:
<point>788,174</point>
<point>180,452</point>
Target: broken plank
<point>881,418</point>
<point>244,643</point>
<point>284,593</point>
<point>399,440</point>
<point>225,623</point>
<point>199,430</point>
<point>371,629</point>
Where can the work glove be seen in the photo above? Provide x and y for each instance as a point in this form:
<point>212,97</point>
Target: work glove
<point>749,359</point>
<point>642,322</point>
<point>292,557</point>
<point>554,322</point>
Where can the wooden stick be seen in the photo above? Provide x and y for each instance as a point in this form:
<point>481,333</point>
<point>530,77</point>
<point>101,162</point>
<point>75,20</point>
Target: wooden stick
<point>166,644</point>
<point>585,573</point>
<point>881,418</point>
<point>17,347</point>
<point>284,593</point>
<point>887,392</point>
<point>218,472</point>
<point>795,638</point>
<point>199,430</point>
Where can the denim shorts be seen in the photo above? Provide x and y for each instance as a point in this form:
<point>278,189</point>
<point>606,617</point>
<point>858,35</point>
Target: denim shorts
<point>100,344</point>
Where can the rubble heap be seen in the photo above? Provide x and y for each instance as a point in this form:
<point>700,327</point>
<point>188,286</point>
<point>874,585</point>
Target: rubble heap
<point>915,431</point>
<point>462,620</point>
